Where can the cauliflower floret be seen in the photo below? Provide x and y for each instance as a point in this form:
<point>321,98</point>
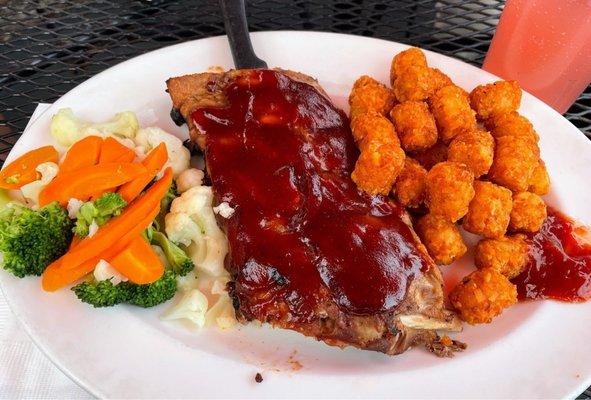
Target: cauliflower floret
<point>189,178</point>
<point>73,207</point>
<point>192,222</point>
<point>67,129</point>
<point>103,271</point>
<point>180,228</point>
<point>192,306</point>
<point>92,228</point>
<point>48,171</point>
<point>178,155</point>
<point>221,313</point>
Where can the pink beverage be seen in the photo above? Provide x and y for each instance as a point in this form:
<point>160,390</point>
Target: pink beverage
<point>545,45</point>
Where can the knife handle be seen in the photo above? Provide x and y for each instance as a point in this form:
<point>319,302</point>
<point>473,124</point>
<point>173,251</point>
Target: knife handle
<point>237,31</point>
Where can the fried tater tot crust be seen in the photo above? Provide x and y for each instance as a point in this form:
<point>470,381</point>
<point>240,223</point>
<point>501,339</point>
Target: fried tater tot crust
<point>489,211</point>
<point>369,94</point>
<point>409,188</point>
<point>483,295</point>
<point>381,158</point>
<point>405,59</point>
<point>512,124</point>
<point>449,190</point>
<point>496,98</point>
<point>507,255</point>
<point>441,238</point>
<point>440,79</point>
<point>415,125</point>
<point>452,112</point>
<point>431,156</point>
<point>378,167</point>
<point>476,149</point>
<point>528,213</point>
<point>418,82</point>
<point>514,162</point>
<point>371,126</point>
<point>539,183</point>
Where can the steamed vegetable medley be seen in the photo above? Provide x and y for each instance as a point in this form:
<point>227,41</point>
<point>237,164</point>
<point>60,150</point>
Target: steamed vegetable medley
<point>119,214</point>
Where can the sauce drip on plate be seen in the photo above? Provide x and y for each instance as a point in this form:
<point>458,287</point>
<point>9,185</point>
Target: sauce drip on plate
<point>560,262</point>
<point>281,154</point>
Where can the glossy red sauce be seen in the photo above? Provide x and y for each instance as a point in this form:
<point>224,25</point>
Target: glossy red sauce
<point>281,154</point>
<point>560,262</point>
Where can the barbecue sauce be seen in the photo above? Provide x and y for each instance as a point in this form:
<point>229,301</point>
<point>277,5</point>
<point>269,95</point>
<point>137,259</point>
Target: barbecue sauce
<point>560,262</point>
<point>282,154</point>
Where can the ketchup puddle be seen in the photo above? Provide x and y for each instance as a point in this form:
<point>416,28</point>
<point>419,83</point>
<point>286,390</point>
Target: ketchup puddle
<point>560,262</point>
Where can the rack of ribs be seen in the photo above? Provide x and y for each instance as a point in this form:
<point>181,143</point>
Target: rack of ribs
<point>308,250</point>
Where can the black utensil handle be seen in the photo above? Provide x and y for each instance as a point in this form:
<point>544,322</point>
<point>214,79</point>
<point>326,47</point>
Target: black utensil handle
<point>237,30</point>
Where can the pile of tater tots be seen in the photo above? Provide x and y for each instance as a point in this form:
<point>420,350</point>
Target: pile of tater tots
<point>452,157</point>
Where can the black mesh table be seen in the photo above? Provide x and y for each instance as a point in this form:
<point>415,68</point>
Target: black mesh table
<point>49,46</point>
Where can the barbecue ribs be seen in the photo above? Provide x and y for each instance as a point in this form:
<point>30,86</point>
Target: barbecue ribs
<point>308,251</point>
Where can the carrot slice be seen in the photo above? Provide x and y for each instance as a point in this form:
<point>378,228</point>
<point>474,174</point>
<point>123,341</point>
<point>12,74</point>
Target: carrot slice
<point>83,153</point>
<point>58,274</point>
<point>22,170</point>
<point>153,162</point>
<point>113,151</point>
<point>55,276</point>
<point>138,262</point>
<point>81,184</point>
<point>75,241</point>
<point>112,237</point>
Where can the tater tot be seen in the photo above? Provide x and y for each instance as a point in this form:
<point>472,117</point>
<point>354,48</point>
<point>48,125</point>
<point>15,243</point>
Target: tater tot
<point>415,125</point>
<point>483,295</point>
<point>452,112</point>
<point>409,188</point>
<point>405,59</point>
<point>440,79</point>
<point>476,149</point>
<point>514,125</point>
<point>539,183</point>
<point>489,211</point>
<point>369,94</point>
<point>371,126</point>
<point>514,162</point>
<point>433,155</point>
<point>441,238</point>
<point>381,158</point>
<point>496,98</point>
<point>528,213</point>
<point>378,167</point>
<point>508,255</point>
<point>418,82</point>
<point>449,190</point>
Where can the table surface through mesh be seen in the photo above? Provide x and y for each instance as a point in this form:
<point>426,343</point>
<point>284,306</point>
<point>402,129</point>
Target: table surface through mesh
<point>47,47</point>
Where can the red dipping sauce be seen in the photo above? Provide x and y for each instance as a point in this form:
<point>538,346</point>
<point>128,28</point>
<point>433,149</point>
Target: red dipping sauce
<point>560,263</point>
<point>281,154</point>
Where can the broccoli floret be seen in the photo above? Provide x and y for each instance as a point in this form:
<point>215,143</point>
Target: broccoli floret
<point>103,293</point>
<point>101,210</point>
<point>180,263</point>
<point>31,240</point>
<point>165,206</point>
<point>106,294</point>
<point>153,293</point>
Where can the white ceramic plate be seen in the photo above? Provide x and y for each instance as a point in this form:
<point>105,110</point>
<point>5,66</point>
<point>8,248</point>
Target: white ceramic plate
<point>533,350</point>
